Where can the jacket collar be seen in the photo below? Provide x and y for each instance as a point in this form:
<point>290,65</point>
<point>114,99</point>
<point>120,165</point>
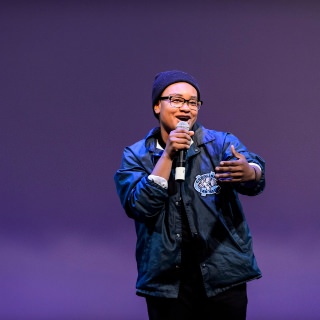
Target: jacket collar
<point>151,140</point>
<point>202,135</point>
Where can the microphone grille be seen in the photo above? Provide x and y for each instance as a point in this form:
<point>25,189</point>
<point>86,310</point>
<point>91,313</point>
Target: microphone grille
<point>183,124</point>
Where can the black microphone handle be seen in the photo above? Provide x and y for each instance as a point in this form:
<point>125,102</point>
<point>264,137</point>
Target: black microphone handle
<point>181,160</point>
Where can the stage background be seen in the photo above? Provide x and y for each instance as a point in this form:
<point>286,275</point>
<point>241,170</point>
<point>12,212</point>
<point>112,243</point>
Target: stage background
<point>75,83</point>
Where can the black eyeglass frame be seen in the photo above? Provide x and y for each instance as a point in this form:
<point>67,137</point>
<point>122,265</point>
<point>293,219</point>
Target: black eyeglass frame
<point>200,102</point>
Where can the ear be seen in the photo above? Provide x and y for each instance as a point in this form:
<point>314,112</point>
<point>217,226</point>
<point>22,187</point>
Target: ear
<point>157,108</point>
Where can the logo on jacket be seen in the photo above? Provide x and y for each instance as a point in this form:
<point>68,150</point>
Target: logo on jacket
<point>206,184</point>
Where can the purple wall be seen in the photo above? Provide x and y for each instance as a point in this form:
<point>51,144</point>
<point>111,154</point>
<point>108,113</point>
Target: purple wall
<point>76,89</point>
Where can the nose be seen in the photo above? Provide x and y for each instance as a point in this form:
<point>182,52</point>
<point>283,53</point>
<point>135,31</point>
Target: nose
<point>185,105</point>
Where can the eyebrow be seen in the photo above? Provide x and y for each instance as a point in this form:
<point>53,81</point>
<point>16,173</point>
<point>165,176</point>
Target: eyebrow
<point>180,95</point>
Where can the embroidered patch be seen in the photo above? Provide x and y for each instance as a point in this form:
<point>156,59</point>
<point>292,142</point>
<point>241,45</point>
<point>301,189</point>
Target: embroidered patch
<point>206,184</point>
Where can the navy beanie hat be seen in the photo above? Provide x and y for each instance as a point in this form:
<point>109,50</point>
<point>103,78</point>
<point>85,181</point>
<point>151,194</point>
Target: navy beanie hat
<point>166,78</point>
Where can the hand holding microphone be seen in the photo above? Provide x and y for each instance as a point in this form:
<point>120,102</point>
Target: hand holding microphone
<point>177,144</point>
<point>181,160</point>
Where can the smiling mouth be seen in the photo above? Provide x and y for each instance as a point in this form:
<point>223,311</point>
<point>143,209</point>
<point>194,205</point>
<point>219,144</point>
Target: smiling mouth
<point>183,118</point>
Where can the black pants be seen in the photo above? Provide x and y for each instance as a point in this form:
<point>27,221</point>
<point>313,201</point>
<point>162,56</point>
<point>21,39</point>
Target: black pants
<point>228,305</point>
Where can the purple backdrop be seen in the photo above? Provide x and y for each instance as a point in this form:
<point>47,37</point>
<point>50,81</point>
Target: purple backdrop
<point>76,89</point>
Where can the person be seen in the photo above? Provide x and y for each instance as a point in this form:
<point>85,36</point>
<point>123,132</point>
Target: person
<point>194,248</point>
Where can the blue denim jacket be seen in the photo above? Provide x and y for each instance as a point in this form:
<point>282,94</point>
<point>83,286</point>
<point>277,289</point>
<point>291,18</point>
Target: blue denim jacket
<point>213,210</point>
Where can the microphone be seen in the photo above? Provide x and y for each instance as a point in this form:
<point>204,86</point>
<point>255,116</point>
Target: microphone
<point>181,161</point>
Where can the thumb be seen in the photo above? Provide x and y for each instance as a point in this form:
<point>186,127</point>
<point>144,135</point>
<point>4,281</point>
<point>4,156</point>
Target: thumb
<point>236,153</point>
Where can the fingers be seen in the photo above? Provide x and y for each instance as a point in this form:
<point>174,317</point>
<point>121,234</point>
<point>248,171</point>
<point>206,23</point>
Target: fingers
<point>229,176</point>
<point>230,165</point>
<point>230,171</point>
<point>181,143</point>
<point>229,180</point>
<point>180,138</point>
<point>235,170</point>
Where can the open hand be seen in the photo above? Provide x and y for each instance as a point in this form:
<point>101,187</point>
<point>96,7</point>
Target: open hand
<point>235,170</point>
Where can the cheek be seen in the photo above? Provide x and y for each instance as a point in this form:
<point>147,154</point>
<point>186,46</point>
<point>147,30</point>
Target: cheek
<point>194,119</point>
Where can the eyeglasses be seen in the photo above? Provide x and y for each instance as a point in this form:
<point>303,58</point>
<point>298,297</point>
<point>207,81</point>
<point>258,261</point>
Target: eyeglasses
<point>178,102</point>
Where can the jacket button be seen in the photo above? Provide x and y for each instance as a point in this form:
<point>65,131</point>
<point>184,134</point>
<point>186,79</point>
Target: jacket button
<point>203,265</point>
<point>177,267</point>
<point>178,235</point>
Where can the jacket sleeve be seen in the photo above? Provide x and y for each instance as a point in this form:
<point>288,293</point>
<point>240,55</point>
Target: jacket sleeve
<point>141,198</point>
<point>247,188</point>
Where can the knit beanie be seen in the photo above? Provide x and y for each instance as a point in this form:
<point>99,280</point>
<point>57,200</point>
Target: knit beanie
<point>166,78</point>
